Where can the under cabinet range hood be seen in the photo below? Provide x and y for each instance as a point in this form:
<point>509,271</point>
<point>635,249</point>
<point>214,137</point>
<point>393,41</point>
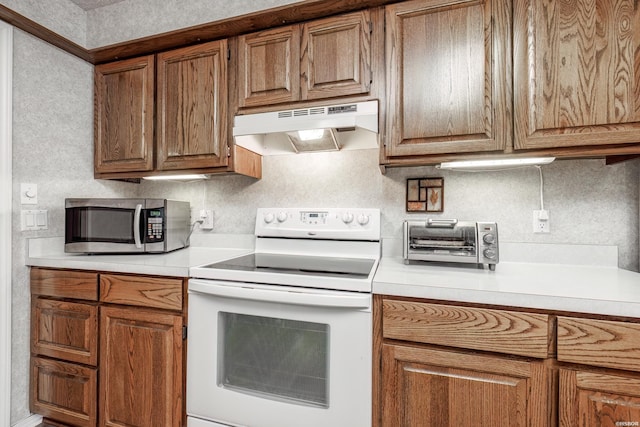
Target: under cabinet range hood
<point>324,128</point>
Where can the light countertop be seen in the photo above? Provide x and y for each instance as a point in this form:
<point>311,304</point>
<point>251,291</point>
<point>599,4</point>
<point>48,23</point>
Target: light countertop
<point>568,286</point>
<point>574,288</point>
<point>49,252</point>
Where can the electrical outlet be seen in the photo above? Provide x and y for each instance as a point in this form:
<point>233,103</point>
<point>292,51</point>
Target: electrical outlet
<point>541,222</point>
<point>206,215</point>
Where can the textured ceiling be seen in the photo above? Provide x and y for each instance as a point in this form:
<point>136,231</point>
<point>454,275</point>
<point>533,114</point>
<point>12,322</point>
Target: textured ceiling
<point>94,4</point>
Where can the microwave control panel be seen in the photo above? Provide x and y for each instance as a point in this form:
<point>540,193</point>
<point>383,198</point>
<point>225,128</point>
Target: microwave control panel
<point>155,225</point>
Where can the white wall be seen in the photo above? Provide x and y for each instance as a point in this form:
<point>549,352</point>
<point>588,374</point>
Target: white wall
<point>53,148</point>
<point>121,21</point>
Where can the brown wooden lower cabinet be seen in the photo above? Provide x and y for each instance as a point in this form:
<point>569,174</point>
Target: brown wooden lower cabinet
<point>108,358</point>
<point>445,365</point>
<point>140,367</point>
<point>64,391</point>
<point>424,387</point>
<point>598,400</point>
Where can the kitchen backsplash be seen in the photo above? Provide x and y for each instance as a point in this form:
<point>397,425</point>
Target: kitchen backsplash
<point>588,201</point>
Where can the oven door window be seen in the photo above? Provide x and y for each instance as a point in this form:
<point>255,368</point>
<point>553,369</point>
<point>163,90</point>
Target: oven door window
<point>280,359</point>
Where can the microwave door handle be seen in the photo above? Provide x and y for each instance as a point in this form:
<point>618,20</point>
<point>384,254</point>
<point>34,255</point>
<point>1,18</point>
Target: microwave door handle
<point>136,226</point>
<point>279,296</point>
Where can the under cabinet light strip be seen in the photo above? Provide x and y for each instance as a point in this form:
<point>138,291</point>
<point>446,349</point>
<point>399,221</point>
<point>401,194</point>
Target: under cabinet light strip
<point>495,164</point>
<point>192,177</point>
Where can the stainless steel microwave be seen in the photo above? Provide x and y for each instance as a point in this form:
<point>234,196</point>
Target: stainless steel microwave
<point>101,226</point>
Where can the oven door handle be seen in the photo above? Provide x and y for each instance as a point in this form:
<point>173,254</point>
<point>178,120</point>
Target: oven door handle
<point>281,295</point>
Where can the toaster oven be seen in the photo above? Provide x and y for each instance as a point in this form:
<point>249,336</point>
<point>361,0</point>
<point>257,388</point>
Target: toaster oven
<point>451,241</point>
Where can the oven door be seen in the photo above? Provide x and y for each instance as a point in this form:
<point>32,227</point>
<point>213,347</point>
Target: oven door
<point>276,356</point>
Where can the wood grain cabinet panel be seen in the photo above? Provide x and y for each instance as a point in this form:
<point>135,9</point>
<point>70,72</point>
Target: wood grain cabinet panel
<point>64,283</point>
<point>603,343</point>
<point>192,107</point>
<point>426,387</point>
<point>336,56</point>
<point>319,59</point>
<point>64,391</point>
<point>145,291</point>
<point>124,115</point>
<point>576,74</point>
<point>502,331</point>
<point>598,400</point>
<point>140,368</point>
<point>268,67</point>
<point>65,330</point>
<point>448,77</point>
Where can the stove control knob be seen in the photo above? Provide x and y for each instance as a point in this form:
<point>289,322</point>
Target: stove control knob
<point>489,253</point>
<point>269,217</point>
<point>363,219</point>
<point>347,217</point>
<point>282,216</point>
<point>489,238</point>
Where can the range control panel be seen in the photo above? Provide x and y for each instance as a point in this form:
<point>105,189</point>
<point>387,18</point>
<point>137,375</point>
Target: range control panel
<point>313,223</point>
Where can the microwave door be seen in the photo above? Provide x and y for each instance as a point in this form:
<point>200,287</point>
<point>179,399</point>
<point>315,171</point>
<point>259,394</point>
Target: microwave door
<point>104,227</point>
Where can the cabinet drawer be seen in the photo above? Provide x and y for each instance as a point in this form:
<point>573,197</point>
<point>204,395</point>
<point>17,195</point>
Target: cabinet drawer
<point>64,391</point>
<point>157,292</point>
<point>65,330</point>
<point>64,283</point>
<point>599,342</point>
<point>501,331</point>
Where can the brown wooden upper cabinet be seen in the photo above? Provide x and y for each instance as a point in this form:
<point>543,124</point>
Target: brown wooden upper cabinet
<point>576,80</point>
<point>191,118</point>
<point>320,59</point>
<point>448,70</point>
<point>123,122</point>
<point>192,107</point>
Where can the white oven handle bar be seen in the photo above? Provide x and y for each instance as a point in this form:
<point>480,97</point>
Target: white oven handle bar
<point>280,294</point>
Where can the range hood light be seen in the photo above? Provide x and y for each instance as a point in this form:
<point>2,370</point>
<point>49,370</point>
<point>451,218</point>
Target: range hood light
<point>495,164</point>
<point>188,177</point>
<point>304,141</point>
<point>310,134</point>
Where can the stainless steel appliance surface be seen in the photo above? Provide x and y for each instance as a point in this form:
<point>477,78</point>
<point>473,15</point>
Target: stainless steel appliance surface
<point>286,330</point>
<point>100,226</point>
<point>451,241</point>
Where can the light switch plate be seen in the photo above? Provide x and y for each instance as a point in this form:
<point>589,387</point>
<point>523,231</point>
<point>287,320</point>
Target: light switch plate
<point>34,220</point>
<point>29,194</point>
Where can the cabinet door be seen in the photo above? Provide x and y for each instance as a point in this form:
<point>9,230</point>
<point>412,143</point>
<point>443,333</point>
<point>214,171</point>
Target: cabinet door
<point>269,67</point>
<point>124,100</point>
<point>426,387</point>
<point>336,56</point>
<point>65,330</point>
<point>448,77</point>
<point>576,74</point>
<point>192,107</point>
<point>598,400</point>
<point>64,391</point>
<point>141,367</point>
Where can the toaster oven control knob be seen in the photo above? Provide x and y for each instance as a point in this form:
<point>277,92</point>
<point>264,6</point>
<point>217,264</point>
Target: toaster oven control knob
<point>489,253</point>
<point>489,238</point>
<point>363,219</point>
<point>269,217</point>
<point>347,217</point>
<point>282,216</point>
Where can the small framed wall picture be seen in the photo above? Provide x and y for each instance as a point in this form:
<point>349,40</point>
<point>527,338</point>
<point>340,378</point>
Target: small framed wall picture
<point>425,194</point>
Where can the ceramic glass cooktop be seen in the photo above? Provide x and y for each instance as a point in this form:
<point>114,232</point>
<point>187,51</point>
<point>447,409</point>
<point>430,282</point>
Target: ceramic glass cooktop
<point>299,264</point>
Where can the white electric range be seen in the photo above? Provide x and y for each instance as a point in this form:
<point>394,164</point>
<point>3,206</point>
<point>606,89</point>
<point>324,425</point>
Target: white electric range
<point>285,334</point>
